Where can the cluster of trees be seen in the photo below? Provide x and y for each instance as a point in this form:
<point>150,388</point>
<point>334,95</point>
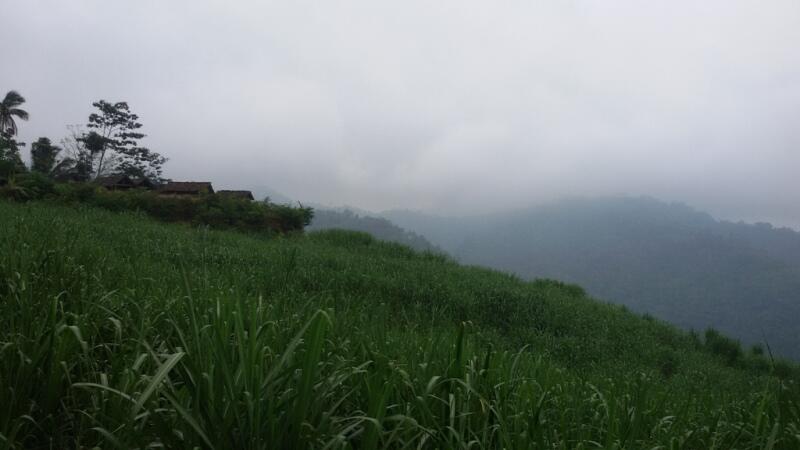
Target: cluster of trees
<point>108,144</point>
<point>214,211</point>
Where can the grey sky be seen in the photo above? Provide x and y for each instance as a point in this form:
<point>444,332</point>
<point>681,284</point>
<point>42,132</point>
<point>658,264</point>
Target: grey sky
<point>450,106</point>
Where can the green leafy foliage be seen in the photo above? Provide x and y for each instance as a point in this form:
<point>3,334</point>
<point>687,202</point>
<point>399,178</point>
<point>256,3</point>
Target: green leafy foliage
<point>10,108</point>
<point>10,160</point>
<point>118,331</point>
<point>213,210</point>
<point>729,349</point>
<point>112,143</point>
<point>28,186</point>
<point>44,156</point>
<point>216,211</point>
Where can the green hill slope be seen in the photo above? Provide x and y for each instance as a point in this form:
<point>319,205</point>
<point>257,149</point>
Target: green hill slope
<point>378,227</point>
<point>117,331</point>
<point>668,260</point>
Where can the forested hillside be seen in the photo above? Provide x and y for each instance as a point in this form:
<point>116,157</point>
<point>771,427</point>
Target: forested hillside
<point>668,260</point>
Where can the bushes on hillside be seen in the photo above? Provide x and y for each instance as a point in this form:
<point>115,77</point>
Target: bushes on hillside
<point>29,186</point>
<point>729,349</point>
<point>211,210</point>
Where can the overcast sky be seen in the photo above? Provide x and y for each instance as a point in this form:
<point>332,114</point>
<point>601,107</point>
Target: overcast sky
<point>447,106</point>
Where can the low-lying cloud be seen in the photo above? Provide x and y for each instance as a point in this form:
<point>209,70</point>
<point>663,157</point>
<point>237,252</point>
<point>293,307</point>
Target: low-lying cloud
<point>452,106</point>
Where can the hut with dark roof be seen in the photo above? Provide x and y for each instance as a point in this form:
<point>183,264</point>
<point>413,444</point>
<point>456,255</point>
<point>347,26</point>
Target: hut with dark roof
<point>115,182</point>
<point>187,188</point>
<point>71,176</point>
<point>144,183</point>
<point>239,195</point>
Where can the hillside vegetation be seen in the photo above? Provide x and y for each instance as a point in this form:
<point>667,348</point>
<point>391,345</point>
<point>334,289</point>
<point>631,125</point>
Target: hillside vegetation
<point>378,227</point>
<point>214,210</point>
<point>667,260</point>
<point>117,331</point>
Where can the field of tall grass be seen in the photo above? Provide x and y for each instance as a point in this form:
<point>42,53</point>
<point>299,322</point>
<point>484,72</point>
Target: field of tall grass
<point>117,331</point>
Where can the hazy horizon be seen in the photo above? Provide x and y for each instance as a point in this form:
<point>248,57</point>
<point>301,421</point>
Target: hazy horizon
<point>501,212</point>
<point>450,108</point>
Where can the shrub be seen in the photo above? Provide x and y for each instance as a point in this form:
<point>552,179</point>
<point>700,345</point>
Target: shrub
<point>694,338</point>
<point>729,349</point>
<point>289,217</point>
<point>12,191</point>
<point>783,369</point>
<point>344,238</point>
<point>39,185</point>
<point>572,290</point>
<point>211,210</point>
<point>7,169</point>
<point>28,186</point>
<point>668,363</point>
<point>75,192</point>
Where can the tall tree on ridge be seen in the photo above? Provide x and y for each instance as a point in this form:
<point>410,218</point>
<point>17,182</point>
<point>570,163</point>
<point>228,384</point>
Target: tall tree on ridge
<point>9,109</point>
<point>44,156</point>
<point>9,147</point>
<point>113,144</point>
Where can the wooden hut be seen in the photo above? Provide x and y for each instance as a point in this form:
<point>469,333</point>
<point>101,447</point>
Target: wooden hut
<point>186,188</point>
<point>70,176</point>
<point>144,183</point>
<point>239,195</point>
<point>115,182</point>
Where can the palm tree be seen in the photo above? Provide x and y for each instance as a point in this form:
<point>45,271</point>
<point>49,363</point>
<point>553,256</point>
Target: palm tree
<point>9,108</point>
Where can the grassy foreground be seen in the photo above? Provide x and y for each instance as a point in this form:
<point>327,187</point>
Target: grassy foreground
<point>120,332</point>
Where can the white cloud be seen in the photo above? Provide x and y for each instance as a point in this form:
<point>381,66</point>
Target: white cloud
<point>441,105</point>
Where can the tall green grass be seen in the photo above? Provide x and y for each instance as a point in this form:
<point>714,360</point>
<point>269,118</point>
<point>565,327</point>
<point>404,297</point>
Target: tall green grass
<point>120,332</point>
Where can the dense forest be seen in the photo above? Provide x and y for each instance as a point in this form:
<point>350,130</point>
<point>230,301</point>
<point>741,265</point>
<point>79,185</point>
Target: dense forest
<point>665,259</point>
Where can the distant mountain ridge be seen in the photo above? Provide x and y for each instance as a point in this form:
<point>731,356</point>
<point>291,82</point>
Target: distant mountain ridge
<point>378,227</point>
<point>666,259</point>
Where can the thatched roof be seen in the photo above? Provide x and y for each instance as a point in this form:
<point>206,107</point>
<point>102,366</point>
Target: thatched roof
<point>114,181</point>
<point>187,188</point>
<point>71,175</point>
<point>244,195</point>
<point>144,183</point>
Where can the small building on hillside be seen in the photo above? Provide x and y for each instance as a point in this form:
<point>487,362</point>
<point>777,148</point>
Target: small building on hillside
<point>187,188</point>
<point>144,183</point>
<point>70,176</point>
<point>240,195</point>
<point>115,182</point>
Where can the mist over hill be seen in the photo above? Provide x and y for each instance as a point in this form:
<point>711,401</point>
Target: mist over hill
<point>665,259</point>
<point>378,227</point>
<point>262,192</point>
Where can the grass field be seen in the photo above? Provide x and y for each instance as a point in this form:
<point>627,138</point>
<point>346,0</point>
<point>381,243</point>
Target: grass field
<point>117,331</point>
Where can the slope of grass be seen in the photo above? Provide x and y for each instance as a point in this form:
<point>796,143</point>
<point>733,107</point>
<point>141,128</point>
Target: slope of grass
<point>117,331</point>
<point>668,260</point>
<point>377,227</point>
